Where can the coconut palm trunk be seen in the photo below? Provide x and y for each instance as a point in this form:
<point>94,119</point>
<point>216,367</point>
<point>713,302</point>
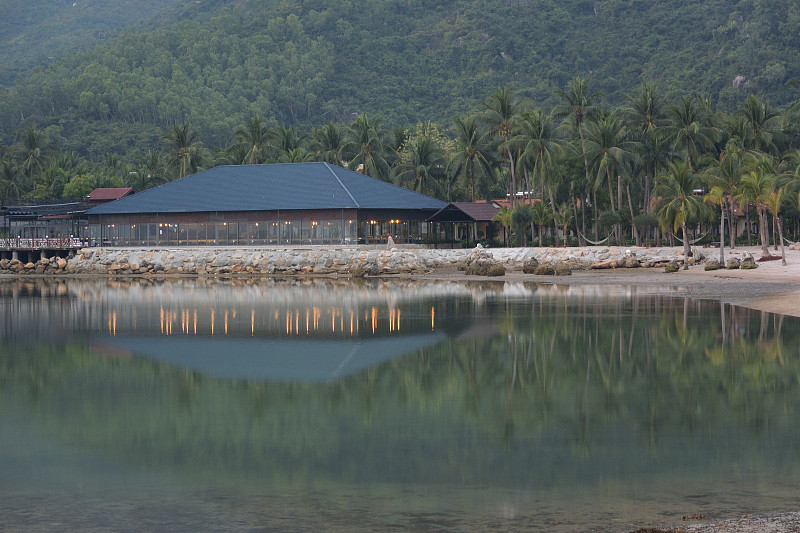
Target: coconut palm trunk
<point>686,249</point>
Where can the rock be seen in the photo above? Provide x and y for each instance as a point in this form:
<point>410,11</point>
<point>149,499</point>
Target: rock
<point>712,264</point>
<point>733,263</point>
<point>485,267</point>
<point>748,263</point>
<point>672,267</point>
<point>529,265</point>
<point>602,265</point>
<point>61,263</point>
<point>631,262</point>
<point>563,269</point>
<point>545,269</point>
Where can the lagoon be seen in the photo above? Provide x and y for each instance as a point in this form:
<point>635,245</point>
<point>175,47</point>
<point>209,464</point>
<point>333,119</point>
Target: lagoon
<point>292,405</point>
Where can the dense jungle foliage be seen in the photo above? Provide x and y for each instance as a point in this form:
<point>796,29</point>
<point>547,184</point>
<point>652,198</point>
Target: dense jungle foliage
<point>569,101</point>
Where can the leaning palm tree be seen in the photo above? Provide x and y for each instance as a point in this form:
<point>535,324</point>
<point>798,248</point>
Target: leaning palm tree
<point>677,202</point>
<point>473,156</point>
<point>183,146</point>
<point>253,137</point>
<point>500,113</point>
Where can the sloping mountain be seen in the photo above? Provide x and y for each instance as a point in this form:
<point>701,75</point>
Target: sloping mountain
<point>215,63</point>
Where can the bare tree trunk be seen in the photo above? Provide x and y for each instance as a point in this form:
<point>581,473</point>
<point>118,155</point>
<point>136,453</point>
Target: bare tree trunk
<point>731,222</point>
<point>780,235</point>
<point>685,247</point>
<point>633,225</point>
<point>722,235</point>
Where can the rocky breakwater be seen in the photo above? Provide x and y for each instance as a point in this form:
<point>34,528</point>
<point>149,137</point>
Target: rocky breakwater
<point>254,261</point>
<point>339,260</point>
<point>575,258</point>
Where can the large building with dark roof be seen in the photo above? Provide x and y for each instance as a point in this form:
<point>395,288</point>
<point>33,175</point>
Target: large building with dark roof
<point>290,203</point>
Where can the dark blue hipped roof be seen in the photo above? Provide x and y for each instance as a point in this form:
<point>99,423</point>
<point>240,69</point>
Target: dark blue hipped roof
<point>285,186</point>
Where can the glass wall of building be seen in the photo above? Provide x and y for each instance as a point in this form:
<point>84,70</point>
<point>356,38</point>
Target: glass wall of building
<point>245,233</point>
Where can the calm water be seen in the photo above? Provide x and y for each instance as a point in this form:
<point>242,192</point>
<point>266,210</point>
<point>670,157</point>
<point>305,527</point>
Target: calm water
<point>331,405</point>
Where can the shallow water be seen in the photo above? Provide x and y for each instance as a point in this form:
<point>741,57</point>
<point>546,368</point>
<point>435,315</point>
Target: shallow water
<point>396,405</point>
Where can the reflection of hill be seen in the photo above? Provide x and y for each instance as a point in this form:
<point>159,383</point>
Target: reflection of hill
<point>273,360</point>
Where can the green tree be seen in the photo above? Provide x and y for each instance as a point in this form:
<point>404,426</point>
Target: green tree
<point>473,156</point>
<point>690,128</point>
<point>677,203</point>
<point>578,105</point>
<point>330,143</point>
<point>422,166</point>
<point>253,137</point>
<point>34,149</point>
<point>183,147</point>
<point>542,215</point>
<point>368,145</point>
<point>500,113</point>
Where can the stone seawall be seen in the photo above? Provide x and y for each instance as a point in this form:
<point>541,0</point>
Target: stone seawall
<point>332,260</point>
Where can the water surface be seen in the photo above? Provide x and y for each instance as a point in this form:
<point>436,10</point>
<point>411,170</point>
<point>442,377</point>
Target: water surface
<point>398,405</point>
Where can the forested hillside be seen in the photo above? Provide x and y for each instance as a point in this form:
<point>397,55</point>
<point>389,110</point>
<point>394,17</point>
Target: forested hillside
<point>310,62</point>
<point>600,108</point>
<point>40,32</point>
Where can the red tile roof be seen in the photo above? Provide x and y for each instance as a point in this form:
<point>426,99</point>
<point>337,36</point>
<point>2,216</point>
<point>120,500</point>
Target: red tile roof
<point>106,194</point>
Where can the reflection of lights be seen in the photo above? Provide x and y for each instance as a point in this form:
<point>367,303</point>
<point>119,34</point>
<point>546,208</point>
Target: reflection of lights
<point>252,322</point>
<point>433,316</point>
<point>374,319</point>
<point>226,322</point>
<point>195,321</point>
<point>212,320</point>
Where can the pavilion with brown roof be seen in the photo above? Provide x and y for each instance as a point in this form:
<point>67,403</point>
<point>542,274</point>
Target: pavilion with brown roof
<point>466,221</point>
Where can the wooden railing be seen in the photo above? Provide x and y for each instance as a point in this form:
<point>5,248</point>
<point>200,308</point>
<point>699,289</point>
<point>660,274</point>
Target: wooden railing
<point>53,243</point>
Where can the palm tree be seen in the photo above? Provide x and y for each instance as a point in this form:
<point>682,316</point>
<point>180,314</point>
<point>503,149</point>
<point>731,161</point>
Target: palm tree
<point>677,202</point>
<point>717,196</point>
<point>11,181</point>
<point>690,128</point>
<point>609,150</point>
<point>330,142</point>
<point>368,146</point>
<point>474,156</point>
<point>774,201</point>
<point>754,189</point>
<point>542,215</point>
<point>183,147</point>
<point>295,155</point>
<point>563,216</point>
<point>284,141</point>
<point>504,218</point>
<point>500,113</point>
<point>253,137</point>
<point>34,147</point>
<point>647,115</point>
<point>422,166</point>
<point>762,124</point>
<point>578,105</point>
<point>725,173</point>
<point>540,147</point>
